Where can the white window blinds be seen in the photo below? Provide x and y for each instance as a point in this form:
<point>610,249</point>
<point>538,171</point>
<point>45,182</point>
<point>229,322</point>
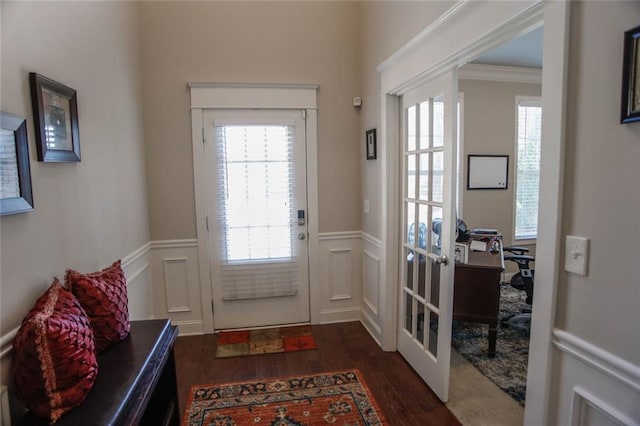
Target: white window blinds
<point>528,169</point>
<point>255,199</point>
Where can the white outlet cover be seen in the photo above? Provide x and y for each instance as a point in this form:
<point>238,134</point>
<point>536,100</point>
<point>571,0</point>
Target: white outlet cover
<point>576,255</point>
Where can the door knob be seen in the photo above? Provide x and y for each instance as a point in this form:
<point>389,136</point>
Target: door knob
<point>302,236</point>
<point>439,260</point>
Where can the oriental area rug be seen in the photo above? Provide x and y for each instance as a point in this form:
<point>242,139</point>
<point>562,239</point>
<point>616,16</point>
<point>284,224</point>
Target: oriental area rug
<point>339,398</point>
<point>264,341</point>
<point>508,369</point>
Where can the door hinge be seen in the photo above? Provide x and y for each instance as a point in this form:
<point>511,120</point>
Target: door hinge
<point>212,310</point>
<point>304,114</point>
<point>203,140</point>
<point>206,219</point>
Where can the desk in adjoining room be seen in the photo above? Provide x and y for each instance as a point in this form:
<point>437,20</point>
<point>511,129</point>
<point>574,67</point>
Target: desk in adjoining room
<point>476,291</point>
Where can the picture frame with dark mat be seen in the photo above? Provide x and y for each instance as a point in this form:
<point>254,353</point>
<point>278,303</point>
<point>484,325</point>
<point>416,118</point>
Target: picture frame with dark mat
<point>371,144</point>
<point>630,103</point>
<point>16,194</point>
<point>55,113</point>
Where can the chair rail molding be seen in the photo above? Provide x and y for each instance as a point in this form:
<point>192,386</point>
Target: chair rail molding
<point>598,358</point>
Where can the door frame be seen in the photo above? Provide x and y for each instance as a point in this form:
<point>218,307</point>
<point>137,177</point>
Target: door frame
<point>228,96</point>
<point>467,30</point>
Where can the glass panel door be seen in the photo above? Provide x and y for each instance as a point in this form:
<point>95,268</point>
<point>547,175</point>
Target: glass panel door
<point>427,284</point>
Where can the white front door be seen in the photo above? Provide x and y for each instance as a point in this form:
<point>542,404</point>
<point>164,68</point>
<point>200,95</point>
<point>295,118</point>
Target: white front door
<point>257,212</point>
<point>428,230</point>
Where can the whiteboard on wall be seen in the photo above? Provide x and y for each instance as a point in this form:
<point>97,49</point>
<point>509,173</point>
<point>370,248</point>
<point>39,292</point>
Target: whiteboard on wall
<point>487,171</point>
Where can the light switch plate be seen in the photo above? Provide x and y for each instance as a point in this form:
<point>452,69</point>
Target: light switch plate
<point>366,206</point>
<point>576,255</point>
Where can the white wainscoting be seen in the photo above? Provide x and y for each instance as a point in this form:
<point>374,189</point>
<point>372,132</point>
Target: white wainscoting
<point>594,387</point>
<point>371,291</point>
<point>340,276</point>
<point>137,269</point>
<point>176,284</point>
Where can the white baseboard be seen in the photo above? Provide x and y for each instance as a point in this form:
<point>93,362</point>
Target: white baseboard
<point>330,316</point>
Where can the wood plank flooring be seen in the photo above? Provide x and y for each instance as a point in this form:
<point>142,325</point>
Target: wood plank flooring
<point>402,395</point>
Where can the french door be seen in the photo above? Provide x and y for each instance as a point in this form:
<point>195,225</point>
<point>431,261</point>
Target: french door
<point>428,216</point>
<point>256,214</point>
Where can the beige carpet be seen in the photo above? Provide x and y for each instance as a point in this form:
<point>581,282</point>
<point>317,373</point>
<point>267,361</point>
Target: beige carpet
<point>476,401</point>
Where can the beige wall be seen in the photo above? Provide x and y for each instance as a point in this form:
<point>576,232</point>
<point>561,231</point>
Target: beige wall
<point>90,213</point>
<point>602,184</point>
<point>386,27</point>
<point>490,128</point>
<point>274,42</point>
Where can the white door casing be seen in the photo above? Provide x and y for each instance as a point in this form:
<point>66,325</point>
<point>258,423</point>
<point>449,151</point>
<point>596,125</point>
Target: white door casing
<point>214,95</point>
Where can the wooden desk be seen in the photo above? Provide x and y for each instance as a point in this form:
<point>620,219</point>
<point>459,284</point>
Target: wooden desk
<point>136,382</point>
<point>476,292</point>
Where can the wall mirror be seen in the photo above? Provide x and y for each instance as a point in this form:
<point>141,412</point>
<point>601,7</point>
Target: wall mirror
<point>15,173</point>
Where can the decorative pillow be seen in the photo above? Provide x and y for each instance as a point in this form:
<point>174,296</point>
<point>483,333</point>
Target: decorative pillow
<point>103,295</point>
<point>54,360</point>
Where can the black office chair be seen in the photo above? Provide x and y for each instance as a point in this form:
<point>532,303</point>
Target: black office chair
<point>522,280</point>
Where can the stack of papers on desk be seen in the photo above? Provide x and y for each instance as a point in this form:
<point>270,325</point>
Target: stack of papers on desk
<point>478,246</point>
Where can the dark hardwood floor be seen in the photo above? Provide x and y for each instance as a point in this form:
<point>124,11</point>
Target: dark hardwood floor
<point>402,395</point>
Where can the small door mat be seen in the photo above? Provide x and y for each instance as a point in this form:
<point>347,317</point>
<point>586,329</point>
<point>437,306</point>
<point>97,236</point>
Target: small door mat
<point>336,398</point>
<point>264,341</point>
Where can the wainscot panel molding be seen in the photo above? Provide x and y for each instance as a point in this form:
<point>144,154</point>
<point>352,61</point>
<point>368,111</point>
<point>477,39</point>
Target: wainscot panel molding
<point>371,286</point>
<point>176,284</point>
<point>137,270</point>
<point>598,358</point>
<point>595,387</point>
<point>339,276</point>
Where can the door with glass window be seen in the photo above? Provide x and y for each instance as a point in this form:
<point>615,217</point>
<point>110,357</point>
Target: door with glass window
<point>257,202</point>
<point>426,282</point>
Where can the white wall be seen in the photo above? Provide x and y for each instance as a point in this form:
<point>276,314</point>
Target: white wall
<point>90,213</point>
<point>598,320</point>
<point>252,42</point>
<point>490,128</point>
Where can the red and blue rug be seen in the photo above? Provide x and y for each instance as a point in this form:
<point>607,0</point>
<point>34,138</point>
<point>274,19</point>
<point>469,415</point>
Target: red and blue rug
<point>264,341</point>
<point>337,398</point>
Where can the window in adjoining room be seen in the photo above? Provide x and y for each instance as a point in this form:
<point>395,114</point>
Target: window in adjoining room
<point>529,128</point>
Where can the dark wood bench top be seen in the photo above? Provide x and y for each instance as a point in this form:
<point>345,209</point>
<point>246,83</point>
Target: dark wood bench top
<point>128,375</point>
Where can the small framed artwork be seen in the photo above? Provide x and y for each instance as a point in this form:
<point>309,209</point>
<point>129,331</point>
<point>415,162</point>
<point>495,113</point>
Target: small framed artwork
<point>55,112</point>
<point>462,253</point>
<point>631,77</point>
<point>15,175</point>
<point>371,147</point>
<point>487,171</point>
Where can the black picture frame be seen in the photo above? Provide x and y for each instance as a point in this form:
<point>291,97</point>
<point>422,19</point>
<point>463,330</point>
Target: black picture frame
<point>630,103</point>
<point>370,144</point>
<point>16,194</point>
<point>487,171</point>
<point>55,113</point>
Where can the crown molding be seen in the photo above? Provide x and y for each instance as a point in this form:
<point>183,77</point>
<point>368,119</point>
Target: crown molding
<point>500,73</point>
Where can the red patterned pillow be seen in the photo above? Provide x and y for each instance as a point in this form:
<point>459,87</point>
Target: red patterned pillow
<point>103,295</point>
<point>54,360</point>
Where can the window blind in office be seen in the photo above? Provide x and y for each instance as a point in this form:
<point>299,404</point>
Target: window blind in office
<point>528,169</point>
<point>255,199</point>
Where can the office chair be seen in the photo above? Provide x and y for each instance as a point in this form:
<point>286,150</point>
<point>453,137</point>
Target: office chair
<point>522,280</point>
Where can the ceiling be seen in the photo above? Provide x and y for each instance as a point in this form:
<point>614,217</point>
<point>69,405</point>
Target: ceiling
<point>525,51</point>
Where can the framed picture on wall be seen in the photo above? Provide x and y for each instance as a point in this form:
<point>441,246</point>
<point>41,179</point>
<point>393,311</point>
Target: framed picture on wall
<point>631,77</point>
<point>15,183</point>
<point>55,112</point>
<point>370,141</point>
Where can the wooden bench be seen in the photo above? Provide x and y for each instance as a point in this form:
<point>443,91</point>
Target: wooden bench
<point>136,382</point>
